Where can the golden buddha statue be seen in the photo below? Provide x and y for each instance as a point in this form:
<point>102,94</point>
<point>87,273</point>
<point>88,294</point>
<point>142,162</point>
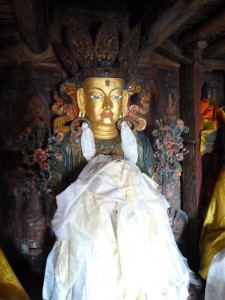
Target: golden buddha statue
<point>113,236</point>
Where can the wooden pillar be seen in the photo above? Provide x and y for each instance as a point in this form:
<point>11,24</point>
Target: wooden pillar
<point>191,176</point>
<point>190,113</point>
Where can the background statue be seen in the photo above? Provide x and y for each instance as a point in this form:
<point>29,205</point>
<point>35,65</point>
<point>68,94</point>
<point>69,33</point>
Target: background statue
<point>212,120</point>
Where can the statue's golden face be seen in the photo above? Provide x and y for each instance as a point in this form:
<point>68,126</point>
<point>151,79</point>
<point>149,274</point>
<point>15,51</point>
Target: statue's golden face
<point>102,99</point>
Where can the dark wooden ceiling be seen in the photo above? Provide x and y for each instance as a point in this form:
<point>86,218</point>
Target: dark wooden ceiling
<point>170,27</point>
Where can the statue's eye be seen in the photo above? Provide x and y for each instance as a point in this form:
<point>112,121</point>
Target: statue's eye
<point>96,97</point>
<point>116,97</point>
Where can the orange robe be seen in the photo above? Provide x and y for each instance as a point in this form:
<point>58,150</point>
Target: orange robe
<point>212,117</point>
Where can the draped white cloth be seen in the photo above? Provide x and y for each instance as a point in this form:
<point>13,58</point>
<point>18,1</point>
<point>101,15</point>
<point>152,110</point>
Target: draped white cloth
<point>215,283</point>
<point>87,142</point>
<point>128,143</point>
<point>114,239</point>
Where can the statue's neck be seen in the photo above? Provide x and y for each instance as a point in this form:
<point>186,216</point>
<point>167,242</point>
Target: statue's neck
<point>104,132</point>
<point>109,146</point>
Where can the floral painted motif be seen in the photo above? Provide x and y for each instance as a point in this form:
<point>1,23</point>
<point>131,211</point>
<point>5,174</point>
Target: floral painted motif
<point>169,150</point>
<point>40,155</point>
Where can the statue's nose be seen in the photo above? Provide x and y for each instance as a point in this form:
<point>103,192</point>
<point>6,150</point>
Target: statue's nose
<point>107,103</point>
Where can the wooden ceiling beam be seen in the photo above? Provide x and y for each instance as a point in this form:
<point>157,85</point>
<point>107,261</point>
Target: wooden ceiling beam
<point>215,50</point>
<point>33,21</point>
<point>171,20</point>
<point>209,28</point>
<point>170,50</point>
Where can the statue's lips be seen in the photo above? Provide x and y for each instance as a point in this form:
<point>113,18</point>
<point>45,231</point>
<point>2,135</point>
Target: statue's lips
<point>106,114</point>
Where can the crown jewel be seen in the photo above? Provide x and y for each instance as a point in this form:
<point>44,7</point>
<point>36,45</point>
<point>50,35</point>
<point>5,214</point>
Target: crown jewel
<point>107,56</point>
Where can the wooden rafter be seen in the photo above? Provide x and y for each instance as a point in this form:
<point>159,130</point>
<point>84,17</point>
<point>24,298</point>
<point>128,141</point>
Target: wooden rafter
<point>209,28</point>
<point>171,20</point>
<point>170,50</point>
<point>32,20</point>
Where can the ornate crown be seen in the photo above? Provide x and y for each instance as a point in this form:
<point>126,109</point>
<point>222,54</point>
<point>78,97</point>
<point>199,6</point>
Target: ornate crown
<point>106,56</point>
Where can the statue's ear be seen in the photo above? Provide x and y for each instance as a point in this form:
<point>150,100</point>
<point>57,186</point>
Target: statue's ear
<point>124,103</point>
<point>80,101</point>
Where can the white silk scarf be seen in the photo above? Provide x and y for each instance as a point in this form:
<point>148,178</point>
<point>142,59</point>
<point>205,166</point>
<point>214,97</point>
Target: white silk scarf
<point>114,239</point>
<point>128,142</point>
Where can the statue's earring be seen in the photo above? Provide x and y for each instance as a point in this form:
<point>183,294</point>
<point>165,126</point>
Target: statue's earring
<point>122,115</point>
<point>130,122</point>
<point>124,104</point>
<point>81,114</point>
<point>123,112</point>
